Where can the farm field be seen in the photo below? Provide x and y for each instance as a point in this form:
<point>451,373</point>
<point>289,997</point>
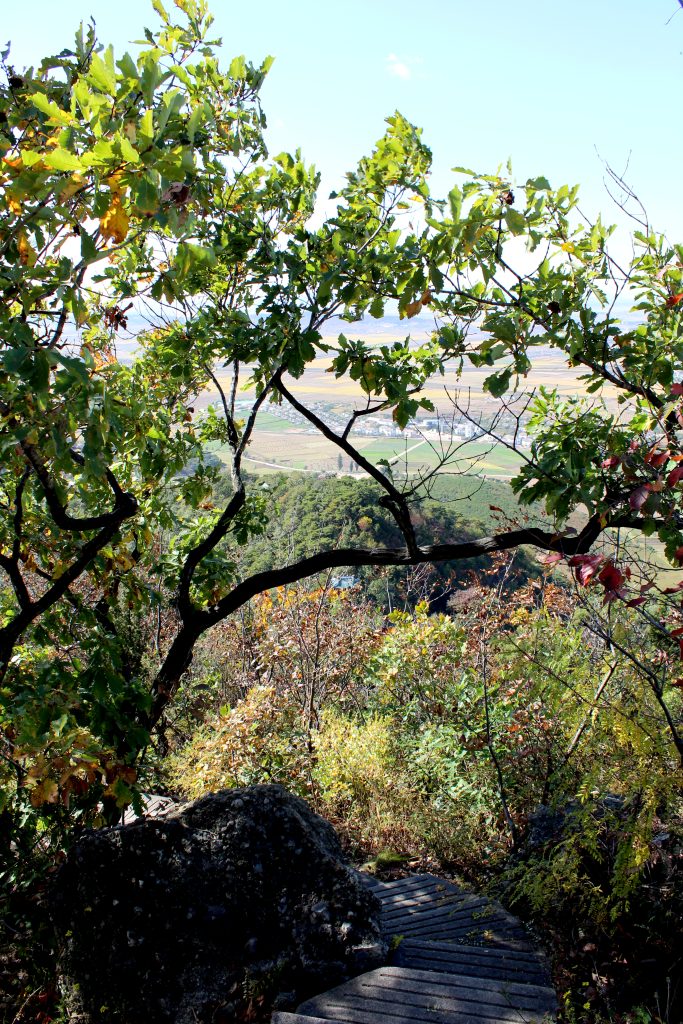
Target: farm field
<point>319,384</point>
<point>282,446</point>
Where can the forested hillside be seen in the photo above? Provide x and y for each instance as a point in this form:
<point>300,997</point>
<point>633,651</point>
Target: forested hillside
<point>345,512</point>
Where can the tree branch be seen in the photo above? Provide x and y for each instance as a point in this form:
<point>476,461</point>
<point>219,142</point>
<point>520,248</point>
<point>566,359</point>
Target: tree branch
<point>395,501</point>
<point>125,504</point>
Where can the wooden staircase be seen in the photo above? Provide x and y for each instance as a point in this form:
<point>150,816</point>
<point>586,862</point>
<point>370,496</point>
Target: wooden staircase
<point>456,958</point>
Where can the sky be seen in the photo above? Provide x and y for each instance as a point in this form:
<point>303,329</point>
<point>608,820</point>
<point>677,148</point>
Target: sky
<point>560,88</point>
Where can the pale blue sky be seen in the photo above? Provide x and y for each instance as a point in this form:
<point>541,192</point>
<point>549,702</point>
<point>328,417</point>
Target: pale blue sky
<point>541,81</point>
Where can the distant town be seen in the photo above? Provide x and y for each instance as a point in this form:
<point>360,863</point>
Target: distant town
<point>428,428</point>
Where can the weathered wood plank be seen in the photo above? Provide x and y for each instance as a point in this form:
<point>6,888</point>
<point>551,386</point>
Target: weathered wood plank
<point>400,1015</point>
<point>450,915</point>
<point>426,883</point>
<point>283,1017</point>
<point>418,882</point>
<point>483,954</point>
<point>464,960</point>
<point>444,907</point>
<point>370,881</point>
<point>460,986</point>
<point>436,1008</point>
<point>441,929</point>
<point>418,986</point>
<point>496,969</point>
<point>446,899</point>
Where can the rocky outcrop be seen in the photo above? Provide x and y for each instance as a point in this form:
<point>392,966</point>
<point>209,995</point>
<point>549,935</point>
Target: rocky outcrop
<point>216,911</point>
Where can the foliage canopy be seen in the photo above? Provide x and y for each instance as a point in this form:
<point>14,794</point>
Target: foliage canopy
<point>143,183</point>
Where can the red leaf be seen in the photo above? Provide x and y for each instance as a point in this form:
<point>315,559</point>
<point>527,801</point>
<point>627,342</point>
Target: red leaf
<point>673,300</point>
<point>610,463</point>
<point>638,497</point>
<point>586,560</point>
<point>678,555</point>
<point>674,476</point>
<point>551,558</point>
<point>610,577</point>
<point>658,459</point>
<point>677,389</point>
<point>677,632</point>
<point>586,567</point>
<point>636,602</point>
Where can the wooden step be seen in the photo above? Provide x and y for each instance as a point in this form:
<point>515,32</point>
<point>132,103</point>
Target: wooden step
<point>282,1017</point>
<point>447,901</point>
<point>417,995</point>
<point>528,968</point>
<point>460,959</point>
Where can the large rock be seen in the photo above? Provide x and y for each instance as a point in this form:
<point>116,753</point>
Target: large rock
<point>214,912</point>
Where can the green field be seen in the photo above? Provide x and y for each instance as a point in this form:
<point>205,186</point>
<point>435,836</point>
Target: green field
<point>279,445</point>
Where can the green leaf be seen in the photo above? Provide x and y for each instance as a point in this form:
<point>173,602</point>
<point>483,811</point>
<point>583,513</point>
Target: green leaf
<point>145,132</point>
<point>238,68</point>
<point>190,256</point>
<point>539,184</point>
<point>76,367</point>
<point>89,251</point>
<point>62,160</point>
<point>101,72</point>
<point>377,307</point>
<point>127,67</point>
<point>161,11</point>
<point>498,383</point>
<point>14,359</point>
<point>515,221</point>
<point>145,196</point>
<point>127,151</point>
<point>47,106</point>
<point>196,119</point>
<point>101,154</point>
<point>455,202</point>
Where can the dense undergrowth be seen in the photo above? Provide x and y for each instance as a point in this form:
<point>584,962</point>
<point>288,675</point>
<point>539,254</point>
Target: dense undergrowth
<point>517,742</point>
<point>504,743</point>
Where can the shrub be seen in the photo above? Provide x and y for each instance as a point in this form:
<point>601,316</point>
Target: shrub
<point>262,739</point>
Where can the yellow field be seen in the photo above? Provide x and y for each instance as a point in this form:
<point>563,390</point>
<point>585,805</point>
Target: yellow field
<point>318,384</point>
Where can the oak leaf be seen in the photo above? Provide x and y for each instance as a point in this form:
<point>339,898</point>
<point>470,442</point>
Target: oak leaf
<point>114,224</point>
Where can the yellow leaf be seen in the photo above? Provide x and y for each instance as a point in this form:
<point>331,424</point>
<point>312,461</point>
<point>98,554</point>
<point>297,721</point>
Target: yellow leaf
<point>114,224</point>
<point>413,308</point>
<point>114,182</point>
<point>73,185</point>
<point>44,793</point>
<point>14,205</point>
<point>568,246</point>
<point>124,561</point>
<point>27,254</point>
<point>15,163</point>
